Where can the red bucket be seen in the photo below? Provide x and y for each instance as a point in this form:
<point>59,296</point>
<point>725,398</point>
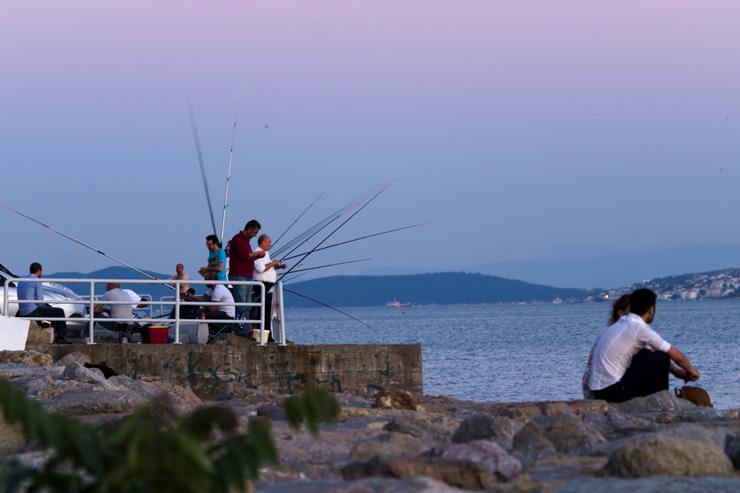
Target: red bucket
<point>155,334</point>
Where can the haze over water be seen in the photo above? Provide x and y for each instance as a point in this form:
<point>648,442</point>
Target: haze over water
<point>529,352</point>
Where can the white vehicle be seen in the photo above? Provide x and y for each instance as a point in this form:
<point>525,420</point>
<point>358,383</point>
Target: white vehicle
<point>52,292</point>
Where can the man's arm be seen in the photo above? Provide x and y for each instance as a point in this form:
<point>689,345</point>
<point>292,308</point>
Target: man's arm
<point>681,360</point>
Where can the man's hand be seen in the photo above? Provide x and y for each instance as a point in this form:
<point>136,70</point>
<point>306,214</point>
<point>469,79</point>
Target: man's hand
<point>280,265</point>
<point>202,271</point>
<point>259,254</point>
<point>693,374</point>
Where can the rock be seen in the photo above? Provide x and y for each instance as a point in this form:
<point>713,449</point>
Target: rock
<point>39,335</point>
<point>387,446</point>
<point>488,454</point>
<point>732,450</point>
<point>660,484</point>
<point>85,402</point>
<point>32,358</point>
<point>12,440</point>
<point>420,426</point>
<point>396,399</point>
<point>418,484</point>
<point>566,434</point>
<point>668,456</point>
<point>75,371</point>
<point>483,426</point>
<point>615,424</point>
<point>462,474</point>
<point>698,414</point>
<point>274,410</point>
<point>183,395</point>
<point>75,356</point>
<point>655,403</point>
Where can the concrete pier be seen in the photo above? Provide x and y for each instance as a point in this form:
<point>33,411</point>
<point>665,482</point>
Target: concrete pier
<point>219,371</point>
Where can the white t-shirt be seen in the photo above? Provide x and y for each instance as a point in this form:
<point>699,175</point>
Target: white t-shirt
<point>262,274</point>
<point>616,347</point>
<point>221,294</point>
<point>120,311</point>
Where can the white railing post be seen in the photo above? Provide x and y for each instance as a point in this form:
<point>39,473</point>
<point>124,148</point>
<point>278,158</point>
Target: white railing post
<point>91,326</point>
<point>177,311</point>
<point>281,313</point>
<point>262,314</point>
<point>5,297</point>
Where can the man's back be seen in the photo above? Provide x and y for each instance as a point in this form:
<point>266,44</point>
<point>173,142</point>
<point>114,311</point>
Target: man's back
<point>119,310</point>
<point>29,291</point>
<point>616,347</point>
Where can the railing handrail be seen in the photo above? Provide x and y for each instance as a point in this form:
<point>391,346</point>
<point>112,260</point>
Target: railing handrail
<point>91,302</point>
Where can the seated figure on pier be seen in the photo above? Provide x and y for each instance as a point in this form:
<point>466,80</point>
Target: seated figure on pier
<point>217,293</point>
<point>180,275</point>
<point>117,309</point>
<point>34,291</point>
<point>631,360</point>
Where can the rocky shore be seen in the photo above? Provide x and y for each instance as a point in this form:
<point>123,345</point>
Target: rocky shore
<point>399,443</point>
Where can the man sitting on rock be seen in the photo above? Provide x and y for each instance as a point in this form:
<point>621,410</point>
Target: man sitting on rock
<point>631,360</point>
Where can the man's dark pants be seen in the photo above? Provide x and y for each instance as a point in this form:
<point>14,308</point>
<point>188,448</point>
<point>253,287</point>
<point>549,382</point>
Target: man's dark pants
<point>647,374</point>
<point>268,306</point>
<point>214,328</point>
<point>60,326</point>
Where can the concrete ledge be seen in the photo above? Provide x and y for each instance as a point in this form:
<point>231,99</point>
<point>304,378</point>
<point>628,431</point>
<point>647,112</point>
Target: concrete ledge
<point>218,371</point>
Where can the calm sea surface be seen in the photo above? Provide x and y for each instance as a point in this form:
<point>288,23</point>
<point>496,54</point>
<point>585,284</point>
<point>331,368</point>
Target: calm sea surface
<point>528,352</point>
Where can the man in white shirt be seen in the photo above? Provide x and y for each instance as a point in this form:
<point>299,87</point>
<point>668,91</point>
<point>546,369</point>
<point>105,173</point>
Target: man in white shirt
<point>265,270</point>
<point>217,293</point>
<point>631,360</point>
<point>115,294</point>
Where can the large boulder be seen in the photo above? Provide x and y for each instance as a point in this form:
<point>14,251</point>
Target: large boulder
<point>75,371</point>
<point>32,358</point>
<point>668,456</point>
<point>732,450</point>
<point>566,434</point>
<point>39,335</point>
<point>484,426</point>
<point>488,454</point>
<point>73,357</point>
<point>659,402</point>
<point>388,445</point>
<point>438,428</point>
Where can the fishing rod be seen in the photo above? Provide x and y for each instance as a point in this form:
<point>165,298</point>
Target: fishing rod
<point>299,217</point>
<point>83,244</point>
<point>304,237</point>
<point>356,239</point>
<point>327,306</point>
<point>331,265</point>
<point>231,158</point>
<point>368,202</point>
<point>199,152</point>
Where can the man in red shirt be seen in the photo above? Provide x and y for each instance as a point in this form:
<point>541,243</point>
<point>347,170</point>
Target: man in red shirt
<point>241,265</point>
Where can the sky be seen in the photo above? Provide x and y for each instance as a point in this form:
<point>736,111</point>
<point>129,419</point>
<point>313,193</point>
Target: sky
<point>517,129</point>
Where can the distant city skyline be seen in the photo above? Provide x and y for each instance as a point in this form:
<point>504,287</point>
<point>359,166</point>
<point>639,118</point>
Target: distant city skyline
<point>519,130</point>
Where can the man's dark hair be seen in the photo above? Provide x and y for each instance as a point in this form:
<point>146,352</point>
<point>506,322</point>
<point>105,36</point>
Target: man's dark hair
<point>35,267</point>
<point>261,237</point>
<point>642,300</point>
<point>252,223</point>
<point>213,239</point>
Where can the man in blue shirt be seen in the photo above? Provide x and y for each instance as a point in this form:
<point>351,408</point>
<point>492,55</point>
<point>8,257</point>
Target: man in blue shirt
<point>216,259</point>
<point>34,291</point>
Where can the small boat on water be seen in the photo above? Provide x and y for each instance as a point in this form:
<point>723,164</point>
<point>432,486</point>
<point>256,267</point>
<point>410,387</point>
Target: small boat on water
<point>397,304</point>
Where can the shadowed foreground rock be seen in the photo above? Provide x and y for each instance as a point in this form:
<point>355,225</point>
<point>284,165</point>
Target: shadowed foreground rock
<point>669,456</point>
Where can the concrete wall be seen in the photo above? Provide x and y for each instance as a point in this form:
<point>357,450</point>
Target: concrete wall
<point>218,371</point>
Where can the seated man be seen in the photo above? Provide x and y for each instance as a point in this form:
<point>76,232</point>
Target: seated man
<point>114,293</point>
<point>35,291</point>
<point>631,360</point>
<point>217,293</point>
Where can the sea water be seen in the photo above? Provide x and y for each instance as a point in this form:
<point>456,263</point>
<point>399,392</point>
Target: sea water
<point>528,352</point>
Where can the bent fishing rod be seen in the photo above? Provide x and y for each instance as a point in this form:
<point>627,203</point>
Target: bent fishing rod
<point>356,239</point>
<point>199,152</point>
<point>327,306</point>
<point>332,265</point>
<point>299,217</point>
<point>83,244</point>
<point>368,202</point>
<point>231,159</point>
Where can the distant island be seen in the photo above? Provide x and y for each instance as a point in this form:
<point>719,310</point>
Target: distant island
<point>448,288</point>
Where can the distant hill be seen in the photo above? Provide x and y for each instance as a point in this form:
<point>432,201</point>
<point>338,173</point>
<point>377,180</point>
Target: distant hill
<point>442,288</point>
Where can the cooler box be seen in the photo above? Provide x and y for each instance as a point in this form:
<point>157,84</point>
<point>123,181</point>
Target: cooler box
<point>155,334</point>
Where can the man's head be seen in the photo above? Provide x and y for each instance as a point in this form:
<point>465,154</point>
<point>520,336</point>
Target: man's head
<point>113,285</point>
<point>211,276</point>
<point>264,242</point>
<point>643,303</point>
<point>212,243</point>
<point>36,269</point>
<point>179,268</point>
<point>252,229</point>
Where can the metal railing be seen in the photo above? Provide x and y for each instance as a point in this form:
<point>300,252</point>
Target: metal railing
<point>91,301</point>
